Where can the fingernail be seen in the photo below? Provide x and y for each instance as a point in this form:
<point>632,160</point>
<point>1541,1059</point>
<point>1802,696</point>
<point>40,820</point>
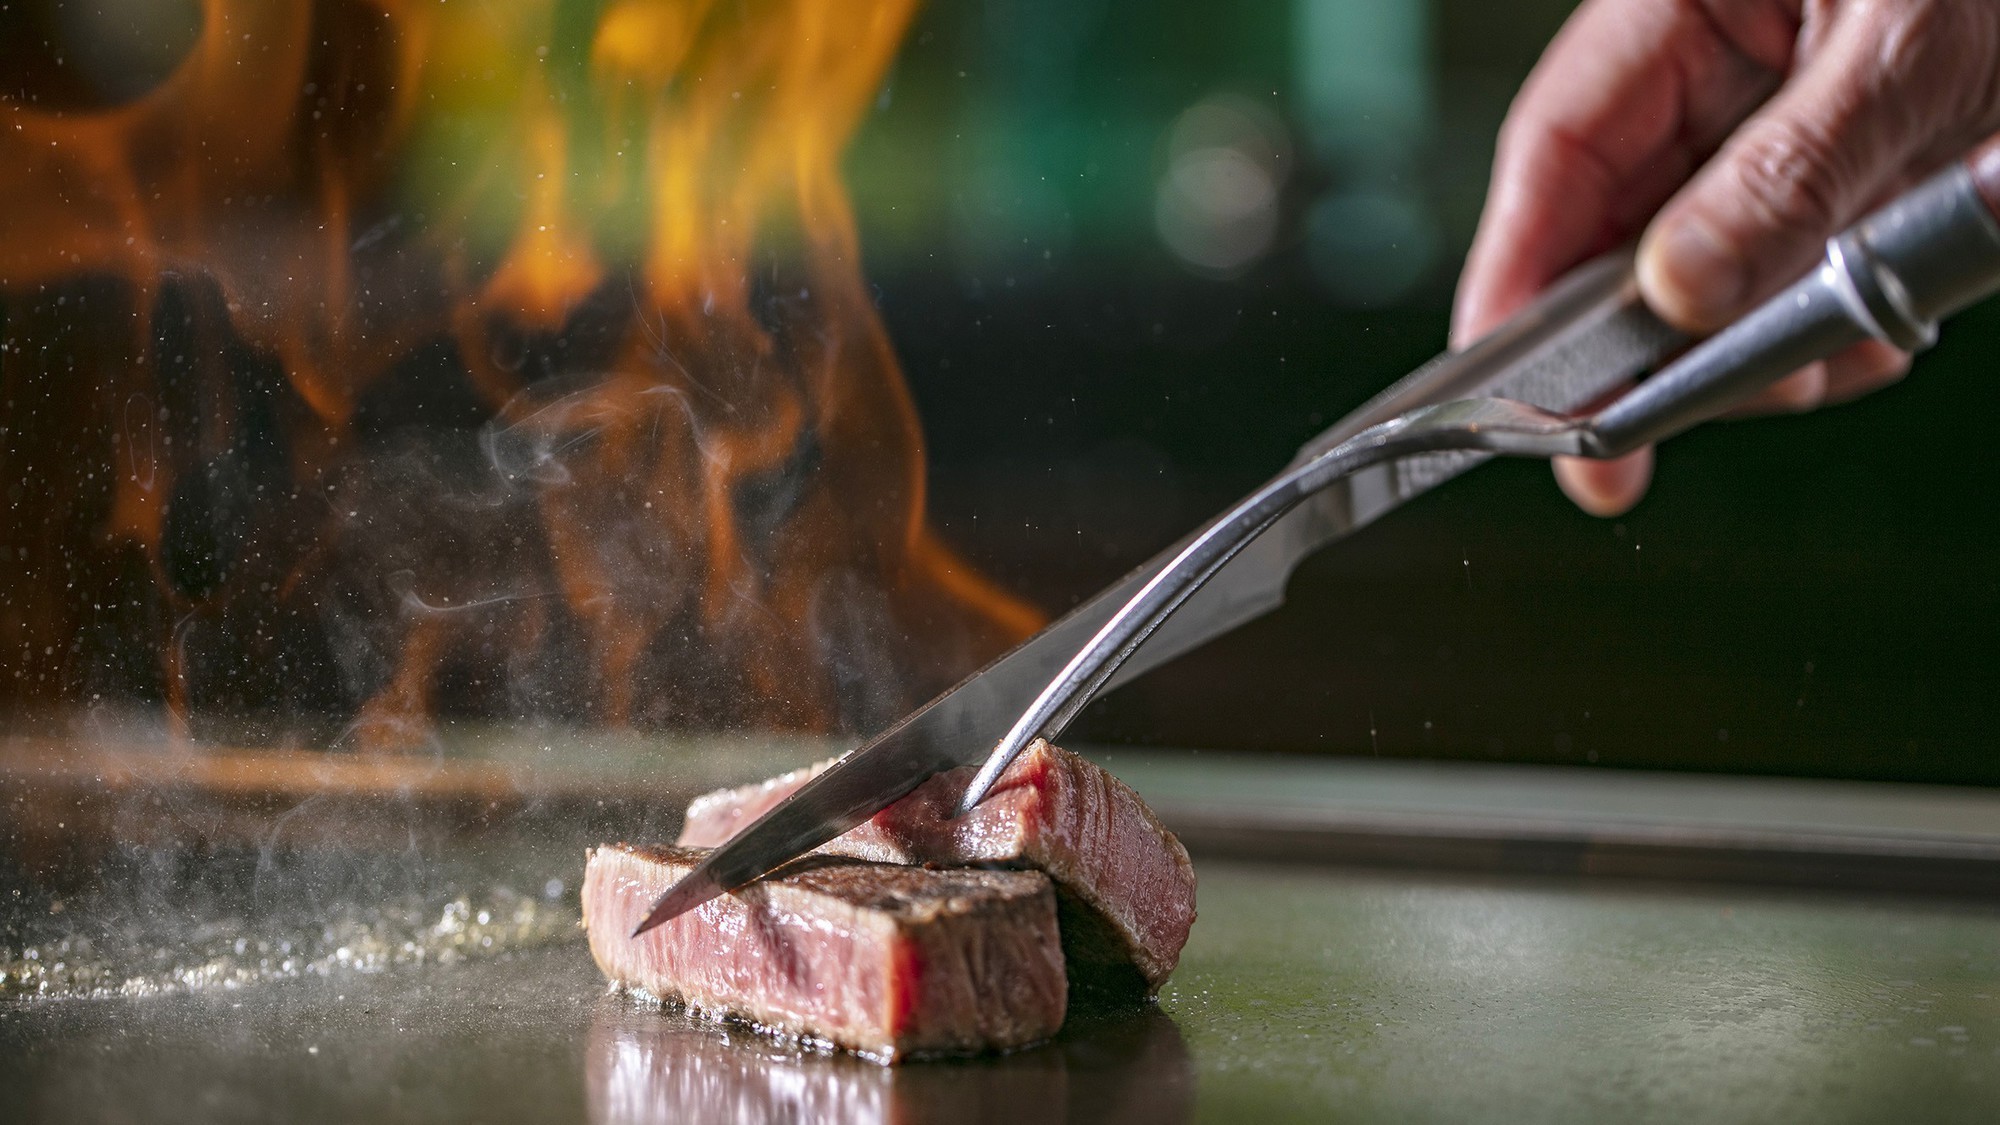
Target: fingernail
<point>1691,275</point>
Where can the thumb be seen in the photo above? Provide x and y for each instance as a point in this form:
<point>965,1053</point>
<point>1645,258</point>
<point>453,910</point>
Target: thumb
<point>1886,88</point>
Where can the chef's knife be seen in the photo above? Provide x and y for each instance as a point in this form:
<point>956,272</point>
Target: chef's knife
<point>1586,336</point>
<point>1928,253</point>
<point>1891,277</point>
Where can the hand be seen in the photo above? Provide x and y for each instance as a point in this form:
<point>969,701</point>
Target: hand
<point>1740,135</point>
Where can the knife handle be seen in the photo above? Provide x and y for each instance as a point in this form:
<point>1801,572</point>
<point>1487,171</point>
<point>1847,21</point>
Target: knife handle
<point>1892,276</point>
<point>1583,336</point>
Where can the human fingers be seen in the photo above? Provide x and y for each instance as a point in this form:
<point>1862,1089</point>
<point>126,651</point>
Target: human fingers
<point>1606,488</point>
<point>1630,97</point>
<point>1863,369</point>
<point>1612,487</point>
<point>1878,91</point>
<point>1867,366</point>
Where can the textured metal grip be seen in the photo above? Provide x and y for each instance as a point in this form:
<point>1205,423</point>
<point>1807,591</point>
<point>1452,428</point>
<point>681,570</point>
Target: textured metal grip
<point>1892,276</point>
<point>1588,335</point>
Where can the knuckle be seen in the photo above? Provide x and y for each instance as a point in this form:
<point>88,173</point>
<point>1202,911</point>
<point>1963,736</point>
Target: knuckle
<point>1790,175</point>
<point>1908,35</point>
<point>1939,59</point>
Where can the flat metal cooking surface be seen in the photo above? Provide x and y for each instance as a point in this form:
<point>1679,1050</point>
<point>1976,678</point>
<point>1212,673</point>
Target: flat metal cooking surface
<point>228,937</point>
<point>1847,835</point>
<point>1306,993</point>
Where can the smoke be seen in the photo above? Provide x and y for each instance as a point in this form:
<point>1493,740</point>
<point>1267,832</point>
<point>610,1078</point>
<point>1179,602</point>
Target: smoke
<point>405,365</point>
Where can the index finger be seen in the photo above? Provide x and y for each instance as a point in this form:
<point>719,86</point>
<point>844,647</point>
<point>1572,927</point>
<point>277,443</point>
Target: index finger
<point>1628,100</point>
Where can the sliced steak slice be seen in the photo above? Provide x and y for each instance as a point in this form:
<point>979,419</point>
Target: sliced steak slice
<point>1125,886</point>
<point>886,960</point>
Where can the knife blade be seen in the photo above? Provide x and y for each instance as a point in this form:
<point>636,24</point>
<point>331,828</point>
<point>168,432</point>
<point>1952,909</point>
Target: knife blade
<point>1585,336</point>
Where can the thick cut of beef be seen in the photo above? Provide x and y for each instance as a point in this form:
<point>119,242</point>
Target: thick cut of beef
<point>1124,883</point>
<point>886,960</point>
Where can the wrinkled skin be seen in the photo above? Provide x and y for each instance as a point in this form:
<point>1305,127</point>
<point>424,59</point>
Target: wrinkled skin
<point>1733,137</point>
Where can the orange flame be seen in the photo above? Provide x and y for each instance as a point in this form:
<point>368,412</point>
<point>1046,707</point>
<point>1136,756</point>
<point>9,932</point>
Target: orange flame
<point>620,255</point>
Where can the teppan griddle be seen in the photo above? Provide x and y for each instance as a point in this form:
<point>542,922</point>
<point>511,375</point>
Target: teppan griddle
<point>1377,941</point>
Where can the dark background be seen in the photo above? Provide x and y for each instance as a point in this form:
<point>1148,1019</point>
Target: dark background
<point>1808,595</point>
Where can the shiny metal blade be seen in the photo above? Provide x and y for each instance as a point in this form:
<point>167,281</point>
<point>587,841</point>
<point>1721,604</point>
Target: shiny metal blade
<point>1587,335</point>
<point>956,729</point>
<point>691,891</point>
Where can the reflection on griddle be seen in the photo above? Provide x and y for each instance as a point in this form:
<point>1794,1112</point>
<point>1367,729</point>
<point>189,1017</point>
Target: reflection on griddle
<point>643,1067</point>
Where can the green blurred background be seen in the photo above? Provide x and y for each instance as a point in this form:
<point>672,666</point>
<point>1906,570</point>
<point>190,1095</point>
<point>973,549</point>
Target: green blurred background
<point>1133,253</point>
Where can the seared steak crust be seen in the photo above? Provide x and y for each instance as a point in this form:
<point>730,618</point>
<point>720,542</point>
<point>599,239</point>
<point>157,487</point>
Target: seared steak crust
<point>1126,886</point>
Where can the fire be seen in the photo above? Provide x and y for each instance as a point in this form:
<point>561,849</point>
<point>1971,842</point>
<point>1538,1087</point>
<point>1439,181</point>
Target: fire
<point>395,358</point>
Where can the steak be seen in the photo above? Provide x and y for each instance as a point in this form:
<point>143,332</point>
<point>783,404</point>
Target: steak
<point>885,960</point>
<point>1124,885</point>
